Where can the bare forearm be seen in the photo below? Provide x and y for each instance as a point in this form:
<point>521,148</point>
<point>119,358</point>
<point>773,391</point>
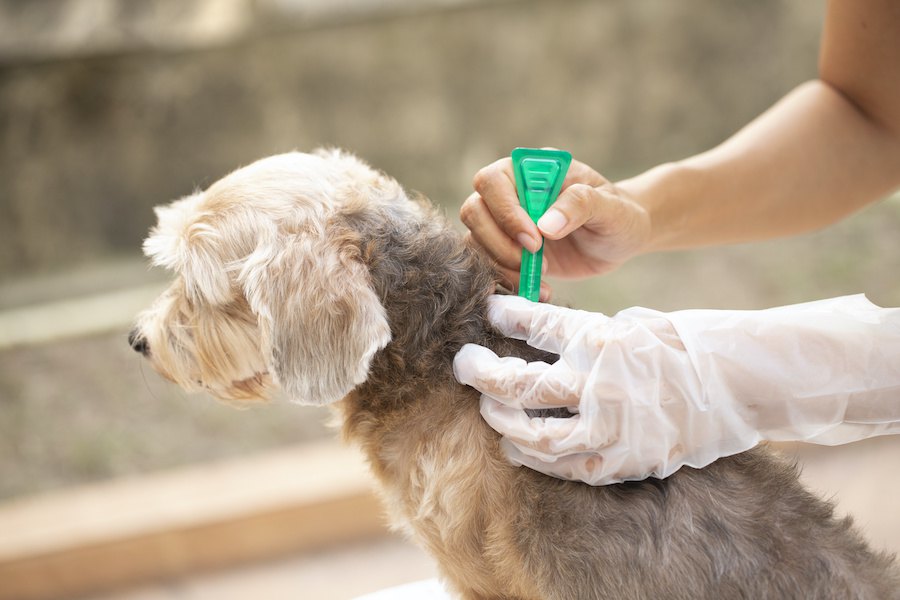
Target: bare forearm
<point>810,160</point>
<point>827,149</point>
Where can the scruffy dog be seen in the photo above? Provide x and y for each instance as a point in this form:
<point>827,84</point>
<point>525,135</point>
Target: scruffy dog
<point>318,275</point>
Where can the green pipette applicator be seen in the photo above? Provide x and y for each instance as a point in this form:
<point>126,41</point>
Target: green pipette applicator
<point>539,177</point>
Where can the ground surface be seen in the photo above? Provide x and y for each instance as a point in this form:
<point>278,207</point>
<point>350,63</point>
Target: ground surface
<point>856,477</point>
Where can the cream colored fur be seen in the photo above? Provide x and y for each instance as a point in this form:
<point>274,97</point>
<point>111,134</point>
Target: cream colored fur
<point>265,288</point>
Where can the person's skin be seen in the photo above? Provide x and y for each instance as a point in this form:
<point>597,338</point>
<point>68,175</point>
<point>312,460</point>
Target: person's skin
<point>827,149</point>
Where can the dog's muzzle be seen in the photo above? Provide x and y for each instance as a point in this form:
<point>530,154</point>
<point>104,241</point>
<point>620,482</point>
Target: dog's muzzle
<point>138,342</point>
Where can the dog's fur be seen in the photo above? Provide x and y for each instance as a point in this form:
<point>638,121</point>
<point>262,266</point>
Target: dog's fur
<point>316,274</point>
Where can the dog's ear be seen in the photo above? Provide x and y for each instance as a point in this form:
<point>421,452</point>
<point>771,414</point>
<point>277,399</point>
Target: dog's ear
<point>187,241</point>
<point>320,318</point>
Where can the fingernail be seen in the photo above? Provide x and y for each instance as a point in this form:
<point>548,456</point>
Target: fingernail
<point>552,222</point>
<point>544,266</point>
<point>528,242</point>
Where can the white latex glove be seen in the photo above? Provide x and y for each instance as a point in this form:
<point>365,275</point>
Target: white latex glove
<point>656,391</point>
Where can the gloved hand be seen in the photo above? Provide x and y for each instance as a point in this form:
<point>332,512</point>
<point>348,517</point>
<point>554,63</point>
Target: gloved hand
<point>654,391</point>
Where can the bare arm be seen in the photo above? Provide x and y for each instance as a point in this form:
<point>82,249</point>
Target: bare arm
<point>827,149</point>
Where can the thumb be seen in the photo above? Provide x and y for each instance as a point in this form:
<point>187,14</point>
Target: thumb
<point>579,204</point>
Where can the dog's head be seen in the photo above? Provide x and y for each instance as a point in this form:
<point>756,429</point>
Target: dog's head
<point>270,287</point>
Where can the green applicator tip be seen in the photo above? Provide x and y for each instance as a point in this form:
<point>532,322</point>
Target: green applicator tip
<point>539,177</point>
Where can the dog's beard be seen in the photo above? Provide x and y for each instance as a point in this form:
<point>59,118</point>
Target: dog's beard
<point>216,349</point>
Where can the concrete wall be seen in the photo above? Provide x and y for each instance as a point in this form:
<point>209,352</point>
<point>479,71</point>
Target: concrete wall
<point>89,144</point>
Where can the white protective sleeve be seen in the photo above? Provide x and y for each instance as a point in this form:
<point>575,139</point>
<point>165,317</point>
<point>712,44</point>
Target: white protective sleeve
<point>656,391</point>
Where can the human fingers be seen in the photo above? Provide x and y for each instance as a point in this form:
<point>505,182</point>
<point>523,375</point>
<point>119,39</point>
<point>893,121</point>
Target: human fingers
<point>514,424</point>
<point>496,185</point>
<point>581,203</point>
<point>509,278</point>
<point>542,325</point>
<point>563,218</point>
<point>580,172</point>
<point>488,235</point>
<point>587,467</point>
<point>576,467</point>
<point>515,382</point>
<point>603,467</point>
<point>548,437</point>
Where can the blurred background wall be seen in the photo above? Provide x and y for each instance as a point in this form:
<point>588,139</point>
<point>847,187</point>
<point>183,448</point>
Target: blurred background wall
<point>109,107</point>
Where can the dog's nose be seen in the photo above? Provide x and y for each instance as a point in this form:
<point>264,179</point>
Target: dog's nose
<point>138,342</point>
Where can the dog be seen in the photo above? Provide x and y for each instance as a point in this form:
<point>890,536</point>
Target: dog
<point>319,276</point>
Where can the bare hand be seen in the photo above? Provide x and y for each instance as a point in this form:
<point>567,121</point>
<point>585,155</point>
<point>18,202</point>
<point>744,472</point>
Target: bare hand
<point>592,228</point>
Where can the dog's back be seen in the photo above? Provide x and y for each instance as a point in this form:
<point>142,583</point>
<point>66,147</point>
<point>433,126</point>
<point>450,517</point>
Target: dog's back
<point>743,527</point>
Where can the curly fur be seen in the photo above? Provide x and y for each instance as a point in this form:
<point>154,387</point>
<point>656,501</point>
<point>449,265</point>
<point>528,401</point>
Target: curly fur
<point>317,274</point>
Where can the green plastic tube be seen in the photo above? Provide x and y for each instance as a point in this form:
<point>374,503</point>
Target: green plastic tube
<point>539,178</point>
